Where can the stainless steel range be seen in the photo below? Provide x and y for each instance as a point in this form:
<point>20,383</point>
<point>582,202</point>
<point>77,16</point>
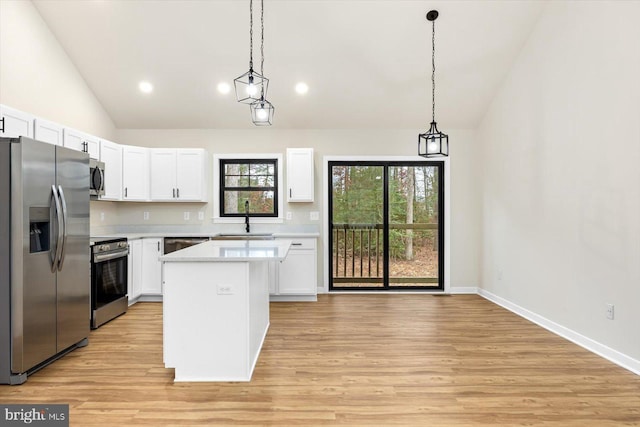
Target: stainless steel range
<point>108,279</point>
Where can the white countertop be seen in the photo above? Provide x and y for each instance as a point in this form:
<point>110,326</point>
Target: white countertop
<point>159,234</point>
<point>232,250</point>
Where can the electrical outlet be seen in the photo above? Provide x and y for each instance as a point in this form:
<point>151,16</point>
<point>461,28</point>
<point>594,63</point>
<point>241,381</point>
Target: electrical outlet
<point>200,216</point>
<point>186,216</point>
<point>225,289</point>
<point>610,312</point>
<point>289,216</point>
<point>101,216</point>
<point>314,216</point>
<point>146,216</point>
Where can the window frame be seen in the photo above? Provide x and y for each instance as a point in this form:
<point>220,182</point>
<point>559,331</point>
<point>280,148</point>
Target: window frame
<point>217,219</point>
<point>223,187</point>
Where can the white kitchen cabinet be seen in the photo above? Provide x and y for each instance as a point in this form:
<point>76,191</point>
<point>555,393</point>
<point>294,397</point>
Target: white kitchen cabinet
<point>178,175</point>
<point>135,173</point>
<point>297,275</point>
<point>14,123</point>
<point>134,280</point>
<point>111,156</point>
<point>191,174</point>
<point>163,180</point>
<point>300,182</point>
<point>151,267</point>
<point>81,141</point>
<point>46,131</point>
<point>273,277</point>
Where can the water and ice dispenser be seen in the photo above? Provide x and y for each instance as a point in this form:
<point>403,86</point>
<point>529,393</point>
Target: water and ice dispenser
<point>39,229</point>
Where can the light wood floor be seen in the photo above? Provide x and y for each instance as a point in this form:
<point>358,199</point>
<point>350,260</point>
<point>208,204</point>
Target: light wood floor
<point>413,360</point>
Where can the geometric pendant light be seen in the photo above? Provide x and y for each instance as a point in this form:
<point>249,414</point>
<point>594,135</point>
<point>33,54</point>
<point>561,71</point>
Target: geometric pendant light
<point>250,86</point>
<point>433,143</point>
<point>262,110</point>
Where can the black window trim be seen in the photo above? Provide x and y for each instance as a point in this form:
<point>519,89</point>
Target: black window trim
<point>248,161</point>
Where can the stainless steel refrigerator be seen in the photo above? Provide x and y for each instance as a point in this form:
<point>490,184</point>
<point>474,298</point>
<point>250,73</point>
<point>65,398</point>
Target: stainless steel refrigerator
<point>45,269</point>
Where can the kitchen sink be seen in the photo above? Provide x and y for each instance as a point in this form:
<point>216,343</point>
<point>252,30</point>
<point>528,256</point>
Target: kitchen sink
<point>243,236</point>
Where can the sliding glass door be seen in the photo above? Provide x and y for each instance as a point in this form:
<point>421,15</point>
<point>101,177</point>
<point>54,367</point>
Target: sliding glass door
<point>386,225</point>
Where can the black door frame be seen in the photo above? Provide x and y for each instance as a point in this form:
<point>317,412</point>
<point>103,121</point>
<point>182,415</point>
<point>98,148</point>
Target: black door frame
<point>439,165</point>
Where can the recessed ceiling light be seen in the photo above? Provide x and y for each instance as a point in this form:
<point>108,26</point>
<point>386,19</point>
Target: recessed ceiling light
<point>302,88</point>
<point>224,88</point>
<point>145,87</point>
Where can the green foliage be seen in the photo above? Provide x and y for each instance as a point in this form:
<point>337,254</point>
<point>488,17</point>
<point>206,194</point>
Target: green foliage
<point>358,202</point>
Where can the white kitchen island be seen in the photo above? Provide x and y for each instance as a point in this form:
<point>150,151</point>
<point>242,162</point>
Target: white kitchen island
<point>216,307</point>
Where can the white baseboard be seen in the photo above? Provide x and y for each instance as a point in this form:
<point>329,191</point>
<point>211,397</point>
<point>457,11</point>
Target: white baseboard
<point>601,350</point>
<point>460,290</point>
<point>149,298</point>
<point>293,298</point>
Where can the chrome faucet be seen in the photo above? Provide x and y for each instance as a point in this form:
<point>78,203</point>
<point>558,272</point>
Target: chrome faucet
<point>246,215</point>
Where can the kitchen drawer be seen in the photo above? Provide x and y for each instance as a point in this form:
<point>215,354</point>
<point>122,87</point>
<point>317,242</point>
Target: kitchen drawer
<point>297,244</point>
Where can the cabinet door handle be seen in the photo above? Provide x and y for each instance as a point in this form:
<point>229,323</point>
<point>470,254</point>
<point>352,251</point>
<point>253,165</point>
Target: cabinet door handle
<point>173,193</point>
<point>178,192</point>
<point>125,191</point>
<point>296,244</point>
<point>290,193</point>
<point>158,246</point>
<point>2,121</point>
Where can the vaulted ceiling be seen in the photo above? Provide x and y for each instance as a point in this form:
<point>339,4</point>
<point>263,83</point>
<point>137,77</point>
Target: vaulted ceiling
<point>367,62</point>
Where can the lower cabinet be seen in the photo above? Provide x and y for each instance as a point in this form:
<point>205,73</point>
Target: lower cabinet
<point>296,278</point>
<point>134,280</point>
<point>145,270</point>
<point>151,283</point>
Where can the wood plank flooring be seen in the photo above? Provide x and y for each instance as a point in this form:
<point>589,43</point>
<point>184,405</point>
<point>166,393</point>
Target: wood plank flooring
<point>379,360</point>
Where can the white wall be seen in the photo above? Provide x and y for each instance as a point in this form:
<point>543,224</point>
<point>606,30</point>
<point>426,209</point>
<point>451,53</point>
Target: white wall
<point>464,176</point>
<point>37,76</point>
<point>561,181</point>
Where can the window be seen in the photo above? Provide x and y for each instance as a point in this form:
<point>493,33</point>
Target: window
<point>248,184</point>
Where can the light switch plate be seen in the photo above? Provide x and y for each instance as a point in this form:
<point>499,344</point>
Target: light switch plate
<point>289,216</point>
<point>146,216</point>
<point>225,289</point>
<point>186,216</point>
<point>101,216</point>
<point>200,216</point>
<point>314,216</point>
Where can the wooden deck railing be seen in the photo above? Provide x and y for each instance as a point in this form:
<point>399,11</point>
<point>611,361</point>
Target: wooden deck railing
<point>357,253</point>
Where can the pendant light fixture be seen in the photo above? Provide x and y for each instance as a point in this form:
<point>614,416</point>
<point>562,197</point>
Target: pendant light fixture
<point>262,110</point>
<point>433,143</point>
<point>250,85</point>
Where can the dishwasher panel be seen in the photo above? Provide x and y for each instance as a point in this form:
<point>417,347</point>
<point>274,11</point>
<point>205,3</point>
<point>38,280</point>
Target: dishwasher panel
<point>172,244</point>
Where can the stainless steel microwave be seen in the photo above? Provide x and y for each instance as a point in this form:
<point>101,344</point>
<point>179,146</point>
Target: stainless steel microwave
<point>96,176</point>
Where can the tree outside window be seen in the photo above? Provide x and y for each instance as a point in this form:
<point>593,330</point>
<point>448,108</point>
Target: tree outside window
<point>252,180</point>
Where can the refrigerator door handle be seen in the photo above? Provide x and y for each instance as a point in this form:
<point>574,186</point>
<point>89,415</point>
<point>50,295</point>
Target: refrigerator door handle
<point>63,252</point>
<point>55,255</point>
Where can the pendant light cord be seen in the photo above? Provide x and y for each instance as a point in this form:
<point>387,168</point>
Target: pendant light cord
<point>250,34</point>
<point>433,71</point>
<point>262,43</point>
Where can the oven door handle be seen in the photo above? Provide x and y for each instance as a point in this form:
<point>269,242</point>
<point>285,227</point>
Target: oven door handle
<point>107,257</point>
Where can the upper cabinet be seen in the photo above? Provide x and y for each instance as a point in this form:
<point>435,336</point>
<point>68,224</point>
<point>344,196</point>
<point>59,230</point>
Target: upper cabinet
<point>131,173</point>
<point>47,131</point>
<point>300,183</point>
<point>135,173</point>
<point>111,156</point>
<point>14,123</point>
<point>178,175</point>
<point>81,141</point>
